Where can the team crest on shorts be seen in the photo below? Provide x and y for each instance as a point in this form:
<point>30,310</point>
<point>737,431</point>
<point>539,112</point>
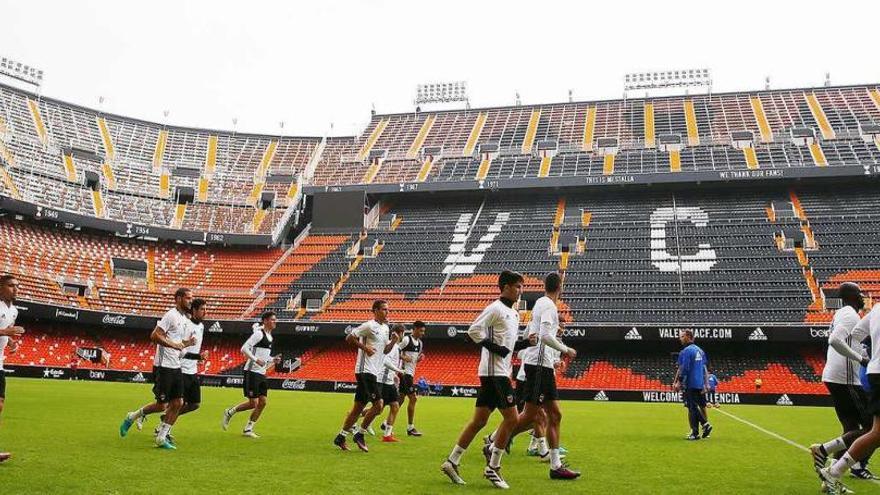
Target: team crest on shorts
<point>510,399</point>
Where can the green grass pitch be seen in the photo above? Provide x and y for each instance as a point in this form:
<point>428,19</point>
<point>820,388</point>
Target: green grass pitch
<point>64,438</point>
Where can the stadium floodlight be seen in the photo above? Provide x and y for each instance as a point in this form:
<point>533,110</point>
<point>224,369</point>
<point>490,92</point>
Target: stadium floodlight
<point>443,92</point>
<point>668,79</point>
<point>20,71</point>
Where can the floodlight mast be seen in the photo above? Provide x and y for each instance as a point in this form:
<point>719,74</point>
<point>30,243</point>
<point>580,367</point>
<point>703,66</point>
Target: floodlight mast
<point>442,92</point>
<point>681,78</point>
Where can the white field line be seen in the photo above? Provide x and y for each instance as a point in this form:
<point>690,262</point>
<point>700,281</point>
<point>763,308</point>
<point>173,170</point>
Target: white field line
<point>768,432</point>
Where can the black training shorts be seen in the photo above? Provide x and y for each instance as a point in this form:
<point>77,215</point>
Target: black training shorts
<point>192,389</point>
<point>495,393</point>
<point>367,388</point>
<point>540,385</point>
<point>167,384</point>
<point>255,385</point>
<point>390,394</point>
<point>406,385</point>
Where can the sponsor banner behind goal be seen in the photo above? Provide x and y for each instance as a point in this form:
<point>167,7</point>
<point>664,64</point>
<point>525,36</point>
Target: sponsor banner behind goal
<point>462,391</point>
<point>573,332</point>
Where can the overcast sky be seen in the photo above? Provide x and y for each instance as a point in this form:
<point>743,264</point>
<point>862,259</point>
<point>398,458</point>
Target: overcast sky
<point>311,64</point>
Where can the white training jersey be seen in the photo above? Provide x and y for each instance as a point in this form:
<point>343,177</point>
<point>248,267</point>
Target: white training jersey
<point>258,347</point>
<point>390,362</point>
<point>8,314</point>
<point>191,366</point>
<point>870,326</point>
<point>376,335</point>
<point>521,374</point>
<point>839,368</point>
<point>555,356</point>
<point>411,348</point>
<point>500,324</point>
<point>176,326</point>
<point>545,321</point>
<point>523,355</point>
<point>4,340</point>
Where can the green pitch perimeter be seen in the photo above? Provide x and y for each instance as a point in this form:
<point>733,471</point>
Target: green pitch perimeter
<point>64,438</point>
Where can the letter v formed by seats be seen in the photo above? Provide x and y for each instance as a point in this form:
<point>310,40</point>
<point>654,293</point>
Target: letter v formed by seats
<point>460,262</point>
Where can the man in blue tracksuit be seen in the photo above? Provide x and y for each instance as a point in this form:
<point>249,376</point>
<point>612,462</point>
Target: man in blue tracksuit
<point>711,396</point>
<point>692,379</point>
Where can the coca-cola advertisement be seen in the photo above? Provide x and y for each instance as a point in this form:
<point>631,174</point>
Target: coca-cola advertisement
<point>117,320</point>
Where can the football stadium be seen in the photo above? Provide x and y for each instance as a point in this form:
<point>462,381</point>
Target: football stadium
<point>664,291</point>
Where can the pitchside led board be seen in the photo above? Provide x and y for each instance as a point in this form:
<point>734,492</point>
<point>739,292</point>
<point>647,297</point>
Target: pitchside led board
<point>338,211</point>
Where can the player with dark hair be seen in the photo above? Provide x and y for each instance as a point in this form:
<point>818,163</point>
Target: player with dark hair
<point>373,342</point>
<point>692,379</point>
<point>191,356</point>
<point>411,352</point>
<point>171,337</point>
<point>258,351</point>
<point>8,330</point>
<point>539,361</point>
<point>496,331</point>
